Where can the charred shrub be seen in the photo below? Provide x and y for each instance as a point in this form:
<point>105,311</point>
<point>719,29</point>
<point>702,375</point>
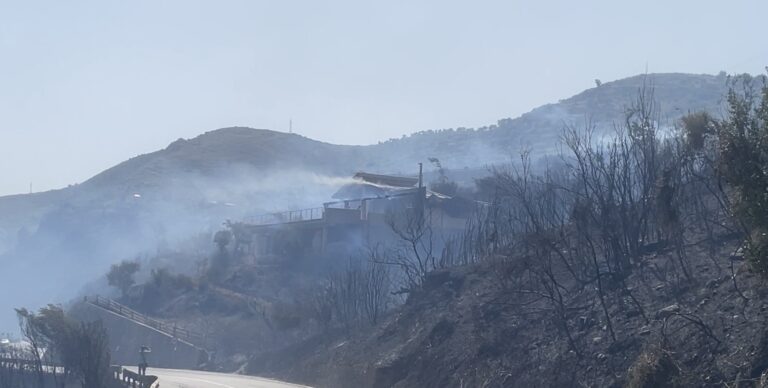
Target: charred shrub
<point>654,368</point>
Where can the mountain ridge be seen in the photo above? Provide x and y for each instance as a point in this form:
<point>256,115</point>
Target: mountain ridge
<point>537,129</point>
<point>221,150</point>
<point>457,148</point>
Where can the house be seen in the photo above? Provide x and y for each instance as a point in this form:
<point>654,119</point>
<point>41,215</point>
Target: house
<point>361,214</point>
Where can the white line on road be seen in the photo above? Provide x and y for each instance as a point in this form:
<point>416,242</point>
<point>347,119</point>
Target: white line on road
<point>204,381</point>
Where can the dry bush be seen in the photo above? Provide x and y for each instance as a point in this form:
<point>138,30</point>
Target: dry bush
<point>653,368</point>
<point>285,316</point>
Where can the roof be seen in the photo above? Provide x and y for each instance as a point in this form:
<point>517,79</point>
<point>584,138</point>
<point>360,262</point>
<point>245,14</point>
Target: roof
<point>387,180</point>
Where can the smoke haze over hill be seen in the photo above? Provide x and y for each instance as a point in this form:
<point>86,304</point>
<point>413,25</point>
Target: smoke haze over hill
<point>68,237</point>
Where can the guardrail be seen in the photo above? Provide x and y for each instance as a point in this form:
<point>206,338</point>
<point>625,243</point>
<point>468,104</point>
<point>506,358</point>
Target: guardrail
<point>287,217</point>
<point>121,378</point>
<point>17,362</point>
<point>27,364</point>
<point>132,379</point>
<point>169,329</point>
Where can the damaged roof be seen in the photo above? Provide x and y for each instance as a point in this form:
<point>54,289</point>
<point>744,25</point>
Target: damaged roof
<point>387,180</point>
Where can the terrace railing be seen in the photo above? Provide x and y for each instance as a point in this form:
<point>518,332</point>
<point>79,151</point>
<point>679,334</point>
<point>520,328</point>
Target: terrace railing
<point>287,217</point>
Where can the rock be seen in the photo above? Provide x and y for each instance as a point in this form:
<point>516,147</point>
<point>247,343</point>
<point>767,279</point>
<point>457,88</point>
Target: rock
<point>645,330</point>
<point>668,311</point>
<point>601,356</point>
<point>597,339</point>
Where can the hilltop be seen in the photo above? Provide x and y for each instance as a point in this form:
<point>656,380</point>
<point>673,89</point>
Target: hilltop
<point>540,129</point>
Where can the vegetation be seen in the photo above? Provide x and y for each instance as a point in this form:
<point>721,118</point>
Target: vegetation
<point>443,184</point>
<point>738,149</point>
<point>604,266</point>
<point>81,348</point>
<point>121,275</point>
<point>359,295</point>
<point>654,368</point>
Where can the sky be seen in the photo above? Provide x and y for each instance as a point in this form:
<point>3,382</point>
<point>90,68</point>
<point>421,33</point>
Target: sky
<point>85,85</point>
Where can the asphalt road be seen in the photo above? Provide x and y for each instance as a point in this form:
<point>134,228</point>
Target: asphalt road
<point>176,378</point>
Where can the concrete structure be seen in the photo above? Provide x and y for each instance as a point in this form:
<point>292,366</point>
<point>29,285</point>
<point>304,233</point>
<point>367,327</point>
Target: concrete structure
<point>127,335</point>
<point>359,216</point>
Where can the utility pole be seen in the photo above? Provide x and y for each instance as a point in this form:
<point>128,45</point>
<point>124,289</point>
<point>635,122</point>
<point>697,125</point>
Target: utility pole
<point>422,196</point>
<point>421,176</point>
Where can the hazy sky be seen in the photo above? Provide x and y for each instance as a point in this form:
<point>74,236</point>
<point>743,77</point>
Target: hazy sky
<point>87,84</point>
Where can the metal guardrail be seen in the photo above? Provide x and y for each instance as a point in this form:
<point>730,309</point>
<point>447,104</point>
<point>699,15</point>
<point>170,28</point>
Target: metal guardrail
<point>286,217</point>
<point>132,379</point>
<point>169,329</point>
<point>16,361</point>
<point>121,378</point>
<point>28,365</point>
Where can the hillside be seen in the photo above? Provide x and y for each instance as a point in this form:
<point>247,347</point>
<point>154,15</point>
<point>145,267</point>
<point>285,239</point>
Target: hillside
<point>540,129</point>
<point>464,329</point>
<point>217,152</point>
<point>191,186</point>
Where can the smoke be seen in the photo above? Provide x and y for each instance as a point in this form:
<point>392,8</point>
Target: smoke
<point>75,242</point>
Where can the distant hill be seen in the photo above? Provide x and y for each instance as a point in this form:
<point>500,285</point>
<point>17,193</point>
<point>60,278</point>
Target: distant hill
<point>540,129</point>
<point>187,170</point>
<point>193,185</point>
<point>216,152</point>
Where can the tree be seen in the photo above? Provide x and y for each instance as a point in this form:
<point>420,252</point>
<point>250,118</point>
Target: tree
<point>121,275</point>
<point>443,185</point>
<point>739,149</point>
<point>54,338</point>
<point>414,254</point>
<point>222,238</point>
<point>90,343</point>
<point>357,295</point>
<point>743,144</point>
<point>31,331</point>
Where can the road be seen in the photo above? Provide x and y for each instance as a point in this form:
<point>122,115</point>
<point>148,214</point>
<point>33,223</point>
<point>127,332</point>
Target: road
<point>176,378</point>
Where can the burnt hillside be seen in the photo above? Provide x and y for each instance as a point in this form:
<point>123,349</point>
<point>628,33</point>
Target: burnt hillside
<point>465,329</point>
<point>193,185</point>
